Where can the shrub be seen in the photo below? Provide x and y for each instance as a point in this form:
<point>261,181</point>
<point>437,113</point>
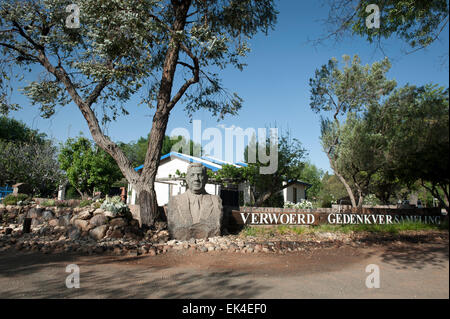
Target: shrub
<point>61,203</point>
<point>115,205</point>
<point>14,199</point>
<point>85,202</point>
<point>304,204</point>
<point>48,203</point>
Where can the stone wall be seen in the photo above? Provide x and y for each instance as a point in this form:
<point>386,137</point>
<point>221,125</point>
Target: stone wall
<point>73,222</point>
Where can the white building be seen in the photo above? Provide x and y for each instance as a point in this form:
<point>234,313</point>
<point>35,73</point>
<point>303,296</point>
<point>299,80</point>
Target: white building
<point>173,162</point>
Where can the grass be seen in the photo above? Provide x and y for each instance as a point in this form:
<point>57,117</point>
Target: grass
<point>249,231</point>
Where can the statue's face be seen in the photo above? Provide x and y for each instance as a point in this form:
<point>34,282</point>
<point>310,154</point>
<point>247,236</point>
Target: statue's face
<point>196,180</point>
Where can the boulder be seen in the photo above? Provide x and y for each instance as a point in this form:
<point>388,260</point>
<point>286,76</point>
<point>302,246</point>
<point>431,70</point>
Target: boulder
<point>119,222</point>
<point>47,215</point>
<point>86,214</point>
<point>98,211</point>
<point>35,212</point>
<point>98,220</point>
<point>117,233</point>
<point>111,214</point>
<point>98,232</point>
<point>64,220</point>
<point>82,224</point>
<point>54,222</point>
<point>74,233</point>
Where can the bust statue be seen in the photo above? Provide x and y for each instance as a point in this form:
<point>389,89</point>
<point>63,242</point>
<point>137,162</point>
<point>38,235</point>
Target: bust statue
<point>195,213</point>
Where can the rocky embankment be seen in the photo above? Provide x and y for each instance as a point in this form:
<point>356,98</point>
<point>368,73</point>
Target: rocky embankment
<point>92,230</point>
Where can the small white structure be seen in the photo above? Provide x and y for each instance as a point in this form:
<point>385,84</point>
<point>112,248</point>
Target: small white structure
<point>173,162</point>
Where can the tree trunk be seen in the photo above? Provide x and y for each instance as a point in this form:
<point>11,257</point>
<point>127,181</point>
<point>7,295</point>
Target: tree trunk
<point>148,207</point>
<point>344,182</point>
<point>261,199</point>
<point>147,200</point>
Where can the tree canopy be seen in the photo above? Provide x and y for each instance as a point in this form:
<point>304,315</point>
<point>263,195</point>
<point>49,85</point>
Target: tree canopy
<point>125,47</point>
<point>27,156</point>
<point>88,168</point>
<point>417,22</point>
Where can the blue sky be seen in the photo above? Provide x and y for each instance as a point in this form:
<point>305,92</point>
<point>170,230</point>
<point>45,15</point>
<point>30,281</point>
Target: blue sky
<point>274,85</point>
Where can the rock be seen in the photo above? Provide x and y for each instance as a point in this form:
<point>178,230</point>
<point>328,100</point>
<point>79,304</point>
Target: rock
<point>35,213</point>
<point>116,233</point>
<point>48,215</point>
<point>54,222</point>
<point>98,232</point>
<point>119,222</point>
<point>64,220</point>
<point>86,214</point>
<point>110,214</point>
<point>82,224</point>
<point>133,252</point>
<point>152,251</point>
<point>98,220</point>
<point>117,251</point>
<point>98,211</point>
<point>203,249</point>
<point>8,231</point>
<point>36,221</point>
<point>74,234</point>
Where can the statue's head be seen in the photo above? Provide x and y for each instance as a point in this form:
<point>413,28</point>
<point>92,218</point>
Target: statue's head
<point>196,178</point>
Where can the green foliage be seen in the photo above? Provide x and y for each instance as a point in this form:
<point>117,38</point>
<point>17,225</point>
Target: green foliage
<point>332,190</point>
<point>125,42</point>
<point>85,202</point>
<point>417,22</point>
<point>136,151</point>
<point>114,204</point>
<point>12,130</point>
<point>14,199</point>
<point>48,203</point>
<point>71,193</point>
<point>267,187</point>
<point>87,166</point>
<point>303,204</point>
<point>27,157</point>
<point>313,175</point>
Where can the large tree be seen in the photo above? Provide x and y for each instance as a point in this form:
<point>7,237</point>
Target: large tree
<point>419,23</point>
<point>27,156</point>
<point>265,187</point>
<point>88,168</point>
<point>416,121</point>
<point>339,92</point>
<point>121,44</point>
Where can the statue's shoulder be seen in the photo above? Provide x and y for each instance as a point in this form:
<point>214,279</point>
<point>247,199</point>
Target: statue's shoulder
<point>216,199</point>
<point>179,197</point>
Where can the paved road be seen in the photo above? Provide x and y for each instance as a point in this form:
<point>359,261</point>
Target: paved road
<point>406,271</point>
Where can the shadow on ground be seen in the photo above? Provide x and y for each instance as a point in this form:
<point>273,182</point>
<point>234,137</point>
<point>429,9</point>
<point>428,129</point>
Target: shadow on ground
<point>46,276</point>
<point>416,256</point>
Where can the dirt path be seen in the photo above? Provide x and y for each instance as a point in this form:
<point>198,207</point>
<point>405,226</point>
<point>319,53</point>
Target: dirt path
<point>406,271</point>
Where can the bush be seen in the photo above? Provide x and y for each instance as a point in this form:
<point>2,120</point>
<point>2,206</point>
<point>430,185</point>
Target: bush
<point>71,193</point>
<point>115,205</point>
<point>304,204</point>
<point>61,203</point>
<point>14,199</point>
<point>48,203</point>
<point>85,202</point>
